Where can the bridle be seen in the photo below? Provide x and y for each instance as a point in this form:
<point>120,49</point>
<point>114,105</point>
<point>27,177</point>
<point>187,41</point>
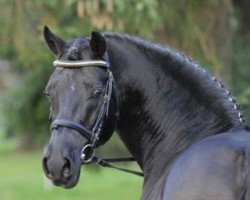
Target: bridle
<point>88,151</point>
<point>92,135</point>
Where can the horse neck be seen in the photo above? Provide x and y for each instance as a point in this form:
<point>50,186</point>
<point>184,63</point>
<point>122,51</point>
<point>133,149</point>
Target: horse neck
<point>160,115</point>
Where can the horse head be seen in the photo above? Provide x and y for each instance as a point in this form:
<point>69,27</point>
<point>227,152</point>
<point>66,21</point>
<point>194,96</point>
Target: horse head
<point>83,105</point>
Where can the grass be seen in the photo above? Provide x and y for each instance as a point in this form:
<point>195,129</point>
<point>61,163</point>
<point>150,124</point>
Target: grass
<point>21,177</point>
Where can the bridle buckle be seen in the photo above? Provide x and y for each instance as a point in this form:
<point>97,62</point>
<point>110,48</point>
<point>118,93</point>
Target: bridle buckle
<point>87,154</point>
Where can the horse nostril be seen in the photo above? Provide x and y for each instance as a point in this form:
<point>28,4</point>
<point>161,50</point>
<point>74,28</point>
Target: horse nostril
<point>46,169</point>
<point>66,169</point>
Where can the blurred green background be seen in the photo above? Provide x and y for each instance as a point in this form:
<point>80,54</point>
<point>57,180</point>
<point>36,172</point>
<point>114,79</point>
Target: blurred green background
<point>216,33</point>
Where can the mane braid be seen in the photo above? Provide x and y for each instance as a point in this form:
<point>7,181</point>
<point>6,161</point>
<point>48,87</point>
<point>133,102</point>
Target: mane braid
<point>229,102</point>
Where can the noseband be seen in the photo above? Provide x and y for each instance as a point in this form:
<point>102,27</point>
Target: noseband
<point>92,135</point>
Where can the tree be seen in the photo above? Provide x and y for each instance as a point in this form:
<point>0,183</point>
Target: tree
<point>241,54</point>
<point>202,29</point>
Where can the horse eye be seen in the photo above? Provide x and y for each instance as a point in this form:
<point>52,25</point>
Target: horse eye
<point>47,93</point>
<point>97,92</point>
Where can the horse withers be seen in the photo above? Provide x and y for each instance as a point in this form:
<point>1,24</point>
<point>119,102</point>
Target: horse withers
<point>161,102</point>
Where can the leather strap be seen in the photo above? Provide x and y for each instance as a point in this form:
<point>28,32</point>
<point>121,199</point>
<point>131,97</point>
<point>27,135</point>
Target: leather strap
<point>70,124</point>
<point>79,63</point>
<point>105,162</point>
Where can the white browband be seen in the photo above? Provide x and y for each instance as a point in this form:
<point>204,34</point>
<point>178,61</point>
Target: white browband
<point>79,63</point>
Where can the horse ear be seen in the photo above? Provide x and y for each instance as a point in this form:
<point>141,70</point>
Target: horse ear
<point>98,44</point>
<point>54,42</point>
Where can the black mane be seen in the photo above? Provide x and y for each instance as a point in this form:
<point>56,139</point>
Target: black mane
<point>203,86</point>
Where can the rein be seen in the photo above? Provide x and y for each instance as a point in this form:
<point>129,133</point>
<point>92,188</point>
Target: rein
<point>88,151</point>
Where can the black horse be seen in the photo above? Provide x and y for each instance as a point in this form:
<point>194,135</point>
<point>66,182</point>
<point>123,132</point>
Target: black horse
<point>161,103</point>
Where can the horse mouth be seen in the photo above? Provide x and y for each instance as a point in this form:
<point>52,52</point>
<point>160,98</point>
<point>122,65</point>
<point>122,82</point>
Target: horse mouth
<point>68,179</point>
<point>67,183</point>
<point>71,184</point>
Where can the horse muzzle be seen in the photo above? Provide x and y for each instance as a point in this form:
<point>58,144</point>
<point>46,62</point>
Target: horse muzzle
<point>62,169</point>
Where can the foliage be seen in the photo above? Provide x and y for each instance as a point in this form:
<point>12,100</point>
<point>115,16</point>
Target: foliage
<point>200,28</point>
<point>31,61</point>
<point>144,19</point>
<point>241,73</point>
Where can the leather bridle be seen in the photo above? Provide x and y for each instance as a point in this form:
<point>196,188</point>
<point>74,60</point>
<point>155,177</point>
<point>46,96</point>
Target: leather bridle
<point>88,151</point>
<point>92,135</point>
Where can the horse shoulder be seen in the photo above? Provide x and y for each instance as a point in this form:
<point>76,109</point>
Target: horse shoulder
<point>215,168</point>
